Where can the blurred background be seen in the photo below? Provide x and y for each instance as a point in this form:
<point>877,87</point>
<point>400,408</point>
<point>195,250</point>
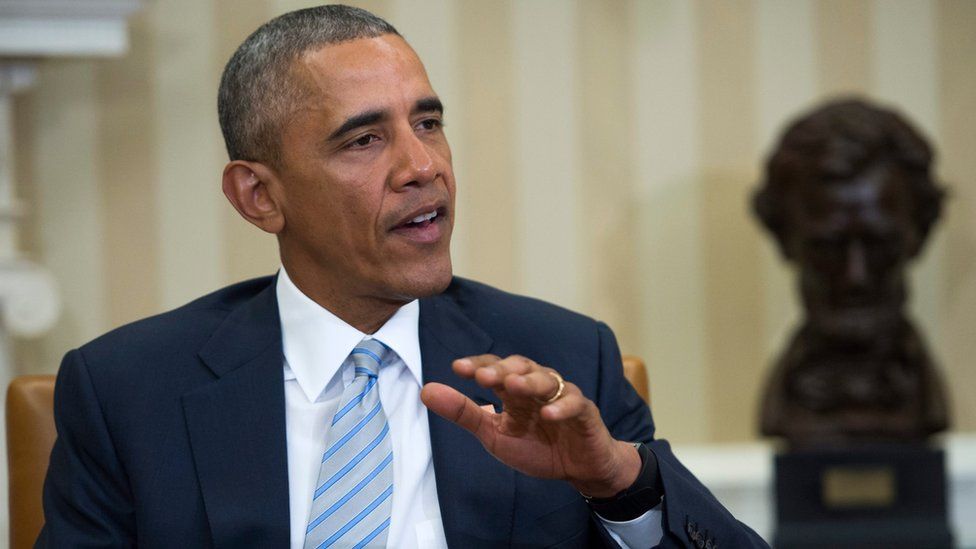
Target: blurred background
<point>605,152</point>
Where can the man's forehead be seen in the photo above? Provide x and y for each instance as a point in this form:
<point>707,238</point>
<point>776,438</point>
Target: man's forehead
<point>388,48</point>
<point>356,74</point>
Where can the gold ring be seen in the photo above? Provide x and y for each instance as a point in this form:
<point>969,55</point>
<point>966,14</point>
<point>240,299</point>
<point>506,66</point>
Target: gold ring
<point>559,388</point>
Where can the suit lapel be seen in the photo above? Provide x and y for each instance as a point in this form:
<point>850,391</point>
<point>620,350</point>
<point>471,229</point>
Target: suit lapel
<point>237,428</point>
<point>475,491</point>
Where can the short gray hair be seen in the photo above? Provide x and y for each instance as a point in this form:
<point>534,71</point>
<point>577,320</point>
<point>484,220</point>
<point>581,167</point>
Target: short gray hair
<point>257,90</point>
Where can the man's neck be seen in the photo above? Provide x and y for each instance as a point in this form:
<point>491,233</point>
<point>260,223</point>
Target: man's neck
<point>366,314</point>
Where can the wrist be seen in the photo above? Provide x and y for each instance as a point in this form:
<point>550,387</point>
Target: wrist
<point>641,496</point>
<point>622,472</point>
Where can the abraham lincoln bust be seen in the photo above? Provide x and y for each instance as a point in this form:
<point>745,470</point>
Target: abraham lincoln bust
<point>850,199</point>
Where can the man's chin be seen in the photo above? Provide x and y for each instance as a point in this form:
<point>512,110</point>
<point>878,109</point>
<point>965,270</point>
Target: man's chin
<point>425,284</point>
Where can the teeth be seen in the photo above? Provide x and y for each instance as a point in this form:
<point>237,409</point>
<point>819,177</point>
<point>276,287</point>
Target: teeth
<point>424,217</point>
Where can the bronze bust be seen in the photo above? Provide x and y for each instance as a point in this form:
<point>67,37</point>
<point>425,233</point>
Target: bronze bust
<point>850,199</point>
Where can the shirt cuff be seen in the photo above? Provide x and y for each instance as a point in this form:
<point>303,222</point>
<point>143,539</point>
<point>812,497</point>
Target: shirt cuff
<point>640,533</point>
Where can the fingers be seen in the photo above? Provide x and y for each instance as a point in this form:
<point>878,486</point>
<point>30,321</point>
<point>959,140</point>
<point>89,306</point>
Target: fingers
<point>540,387</point>
<point>541,384</point>
<point>451,405</point>
<point>525,386</point>
<point>490,370</point>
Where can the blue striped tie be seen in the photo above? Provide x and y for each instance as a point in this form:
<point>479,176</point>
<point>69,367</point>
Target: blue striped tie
<point>353,499</point>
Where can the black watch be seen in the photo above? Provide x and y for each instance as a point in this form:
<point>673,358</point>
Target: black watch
<point>642,496</point>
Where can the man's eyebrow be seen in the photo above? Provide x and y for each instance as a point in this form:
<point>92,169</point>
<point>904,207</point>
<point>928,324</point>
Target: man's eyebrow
<point>429,104</point>
<point>357,121</point>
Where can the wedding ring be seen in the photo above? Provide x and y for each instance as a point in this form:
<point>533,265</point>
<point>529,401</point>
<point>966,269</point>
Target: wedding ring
<point>559,388</point>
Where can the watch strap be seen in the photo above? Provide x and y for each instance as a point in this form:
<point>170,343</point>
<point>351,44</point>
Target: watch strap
<point>640,497</point>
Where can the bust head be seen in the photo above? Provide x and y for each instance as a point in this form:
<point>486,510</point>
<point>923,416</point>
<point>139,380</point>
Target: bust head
<point>849,197</point>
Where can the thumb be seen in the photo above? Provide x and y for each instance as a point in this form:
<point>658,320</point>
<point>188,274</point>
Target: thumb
<point>451,405</point>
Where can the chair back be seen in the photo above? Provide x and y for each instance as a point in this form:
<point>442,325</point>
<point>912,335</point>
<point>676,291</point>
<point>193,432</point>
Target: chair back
<point>636,374</point>
<point>30,437</point>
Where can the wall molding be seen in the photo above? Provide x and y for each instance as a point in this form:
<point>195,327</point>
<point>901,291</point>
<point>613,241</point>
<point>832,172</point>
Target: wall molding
<point>65,28</point>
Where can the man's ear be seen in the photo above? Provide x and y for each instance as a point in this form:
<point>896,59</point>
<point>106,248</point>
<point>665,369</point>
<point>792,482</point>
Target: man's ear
<point>248,187</point>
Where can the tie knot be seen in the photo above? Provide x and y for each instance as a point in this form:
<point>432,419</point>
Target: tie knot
<point>368,355</point>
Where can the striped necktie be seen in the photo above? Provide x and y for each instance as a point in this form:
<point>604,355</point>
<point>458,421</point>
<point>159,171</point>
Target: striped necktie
<point>352,501</point>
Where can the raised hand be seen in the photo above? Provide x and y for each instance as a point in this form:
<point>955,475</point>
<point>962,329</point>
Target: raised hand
<point>546,428</point>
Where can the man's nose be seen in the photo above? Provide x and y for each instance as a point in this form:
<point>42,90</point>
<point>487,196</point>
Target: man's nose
<point>414,163</point>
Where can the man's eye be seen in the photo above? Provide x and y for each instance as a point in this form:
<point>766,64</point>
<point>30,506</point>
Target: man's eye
<point>431,124</point>
<point>363,141</point>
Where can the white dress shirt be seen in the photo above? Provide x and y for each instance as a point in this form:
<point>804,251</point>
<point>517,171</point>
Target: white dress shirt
<point>316,343</point>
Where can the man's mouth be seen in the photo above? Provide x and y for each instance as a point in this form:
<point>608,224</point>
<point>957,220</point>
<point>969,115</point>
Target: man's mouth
<point>423,227</point>
<point>421,221</point>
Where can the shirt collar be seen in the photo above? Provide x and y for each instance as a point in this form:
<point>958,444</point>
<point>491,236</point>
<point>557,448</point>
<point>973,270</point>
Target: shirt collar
<point>317,342</point>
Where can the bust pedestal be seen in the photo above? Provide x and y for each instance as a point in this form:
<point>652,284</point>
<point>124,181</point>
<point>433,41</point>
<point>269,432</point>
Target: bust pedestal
<point>890,496</point>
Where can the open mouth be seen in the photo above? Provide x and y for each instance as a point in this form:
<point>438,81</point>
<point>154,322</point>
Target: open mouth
<point>426,225</point>
<point>423,220</point>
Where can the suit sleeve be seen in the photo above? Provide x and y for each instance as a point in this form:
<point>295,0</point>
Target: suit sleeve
<point>690,509</point>
<point>87,500</point>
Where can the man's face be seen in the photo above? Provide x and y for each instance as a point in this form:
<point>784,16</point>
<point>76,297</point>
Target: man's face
<point>366,176</point>
<point>852,240</point>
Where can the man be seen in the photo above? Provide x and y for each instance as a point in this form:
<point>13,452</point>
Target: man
<point>288,409</point>
<point>850,198</point>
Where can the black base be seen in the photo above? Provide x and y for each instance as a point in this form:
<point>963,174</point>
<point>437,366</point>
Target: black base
<point>882,496</point>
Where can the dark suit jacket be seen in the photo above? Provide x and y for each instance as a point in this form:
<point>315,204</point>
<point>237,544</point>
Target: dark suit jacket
<point>171,430</point>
